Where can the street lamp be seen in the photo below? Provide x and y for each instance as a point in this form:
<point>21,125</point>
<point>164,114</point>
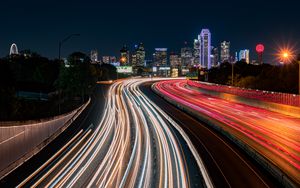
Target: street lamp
<point>298,60</point>
<point>59,58</point>
<point>62,42</point>
<point>286,56</point>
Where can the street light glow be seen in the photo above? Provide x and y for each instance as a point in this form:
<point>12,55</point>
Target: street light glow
<point>285,54</point>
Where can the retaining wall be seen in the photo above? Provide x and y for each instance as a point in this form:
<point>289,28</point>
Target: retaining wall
<point>19,141</point>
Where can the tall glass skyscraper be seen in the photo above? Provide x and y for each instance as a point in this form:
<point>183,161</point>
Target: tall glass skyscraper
<point>205,48</point>
<point>140,55</point>
<point>160,57</point>
<point>225,51</point>
<point>244,56</point>
<point>196,51</point>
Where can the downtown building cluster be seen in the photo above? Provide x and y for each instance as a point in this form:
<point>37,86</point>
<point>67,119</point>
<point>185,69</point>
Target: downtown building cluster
<point>200,55</point>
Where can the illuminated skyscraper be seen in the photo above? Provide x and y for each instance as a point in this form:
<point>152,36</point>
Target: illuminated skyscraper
<point>196,51</point>
<point>175,60</point>
<point>160,57</point>
<point>106,59</point>
<point>225,51</point>
<point>140,55</point>
<point>124,59</point>
<point>187,56</point>
<point>244,56</point>
<point>215,57</point>
<point>94,56</point>
<point>205,48</point>
<point>133,59</point>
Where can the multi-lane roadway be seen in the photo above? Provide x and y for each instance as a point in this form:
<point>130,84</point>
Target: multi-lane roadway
<point>137,139</point>
<point>134,145</point>
<point>273,135</point>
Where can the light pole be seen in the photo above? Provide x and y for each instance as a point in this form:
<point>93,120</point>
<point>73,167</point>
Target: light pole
<point>59,58</point>
<point>298,60</point>
<point>232,73</point>
<point>286,57</point>
<point>62,42</point>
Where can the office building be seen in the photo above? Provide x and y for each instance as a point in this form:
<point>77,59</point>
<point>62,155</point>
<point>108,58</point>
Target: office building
<point>175,60</point>
<point>205,48</point>
<point>140,55</point>
<point>196,51</point>
<point>244,56</point>
<point>215,57</point>
<point>124,59</point>
<point>94,56</point>
<point>225,51</point>
<point>105,59</point>
<point>187,56</point>
<point>160,57</point>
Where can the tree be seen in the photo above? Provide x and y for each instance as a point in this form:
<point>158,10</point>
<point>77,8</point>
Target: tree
<point>109,72</point>
<point>8,100</point>
<point>79,79</point>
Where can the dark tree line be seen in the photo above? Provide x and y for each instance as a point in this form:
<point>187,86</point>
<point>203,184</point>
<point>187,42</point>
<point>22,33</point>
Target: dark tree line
<point>67,86</point>
<point>283,78</point>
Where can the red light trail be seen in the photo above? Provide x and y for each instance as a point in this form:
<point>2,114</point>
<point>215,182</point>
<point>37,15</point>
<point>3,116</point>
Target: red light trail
<point>273,135</point>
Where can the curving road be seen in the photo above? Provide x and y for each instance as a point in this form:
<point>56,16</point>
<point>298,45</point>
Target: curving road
<point>273,135</point>
<point>135,145</point>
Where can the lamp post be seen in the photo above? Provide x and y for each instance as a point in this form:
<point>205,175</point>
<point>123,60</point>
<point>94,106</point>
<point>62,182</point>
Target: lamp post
<point>62,42</point>
<point>59,58</point>
<point>232,73</point>
<point>286,56</point>
<point>298,60</point>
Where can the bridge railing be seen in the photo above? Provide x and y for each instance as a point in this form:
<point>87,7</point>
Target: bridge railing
<point>269,96</point>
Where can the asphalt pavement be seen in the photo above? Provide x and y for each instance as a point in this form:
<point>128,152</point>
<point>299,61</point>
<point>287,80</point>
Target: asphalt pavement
<point>227,165</point>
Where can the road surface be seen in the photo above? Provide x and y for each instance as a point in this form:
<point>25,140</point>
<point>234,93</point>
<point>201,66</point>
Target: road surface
<point>273,135</point>
<point>134,144</point>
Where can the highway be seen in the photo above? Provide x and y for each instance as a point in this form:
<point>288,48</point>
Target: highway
<point>135,144</point>
<point>273,135</point>
<point>89,117</point>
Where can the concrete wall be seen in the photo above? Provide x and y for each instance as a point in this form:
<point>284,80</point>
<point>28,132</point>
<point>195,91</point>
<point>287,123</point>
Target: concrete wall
<point>275,107</point>
<point>19,141</point>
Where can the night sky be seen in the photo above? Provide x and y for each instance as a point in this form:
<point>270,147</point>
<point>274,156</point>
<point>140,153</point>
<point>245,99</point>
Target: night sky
<point>106,26</point>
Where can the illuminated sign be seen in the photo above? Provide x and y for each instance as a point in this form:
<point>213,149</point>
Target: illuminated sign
<point>124,69</point>
<point>116,64</point>
<point>161,49</point>
<point>164,68</point>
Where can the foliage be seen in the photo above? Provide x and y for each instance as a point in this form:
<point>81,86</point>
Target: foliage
<point>79,79</point>
<point>283,78</point>
<point>34,73</point>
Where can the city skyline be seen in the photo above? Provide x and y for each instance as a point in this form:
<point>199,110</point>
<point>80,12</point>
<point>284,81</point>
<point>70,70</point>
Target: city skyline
<point>39,32</point>
<point>150,93</point>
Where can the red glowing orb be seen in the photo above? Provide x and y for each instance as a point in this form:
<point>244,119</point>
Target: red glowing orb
<point>260,48</point>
